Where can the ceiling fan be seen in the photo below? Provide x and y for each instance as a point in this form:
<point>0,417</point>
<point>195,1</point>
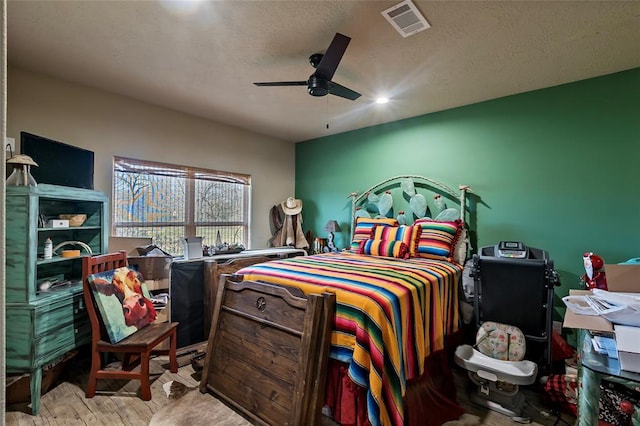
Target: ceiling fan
<point>319,83</point>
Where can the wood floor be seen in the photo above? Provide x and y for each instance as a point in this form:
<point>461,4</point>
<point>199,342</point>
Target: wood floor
<point>117,402</point>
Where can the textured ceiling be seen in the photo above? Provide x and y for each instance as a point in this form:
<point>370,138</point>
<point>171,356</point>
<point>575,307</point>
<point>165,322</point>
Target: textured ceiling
<point>202,57</point>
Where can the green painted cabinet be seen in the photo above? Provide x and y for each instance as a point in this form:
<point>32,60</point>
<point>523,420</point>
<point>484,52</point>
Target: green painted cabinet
<point>43,325</point>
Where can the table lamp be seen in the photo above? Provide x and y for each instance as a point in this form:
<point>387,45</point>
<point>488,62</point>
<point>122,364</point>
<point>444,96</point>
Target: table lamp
<point>21,174</point>
<point>331,227</point>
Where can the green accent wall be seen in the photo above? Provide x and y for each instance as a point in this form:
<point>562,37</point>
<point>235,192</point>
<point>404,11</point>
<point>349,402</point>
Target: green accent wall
<point>555,168</point>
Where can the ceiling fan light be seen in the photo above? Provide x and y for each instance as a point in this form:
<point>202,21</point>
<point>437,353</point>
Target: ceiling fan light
<point>318,86</point>
<point>315,59</point>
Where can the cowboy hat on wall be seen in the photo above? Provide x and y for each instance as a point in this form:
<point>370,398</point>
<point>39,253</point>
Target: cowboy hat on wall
<point>291,206</point>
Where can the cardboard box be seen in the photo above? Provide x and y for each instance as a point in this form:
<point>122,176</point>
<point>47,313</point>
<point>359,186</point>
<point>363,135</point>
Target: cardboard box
<point>128,244</point>
<point>624,278</point>
<point>58,223</point>
<point>193,248</point>
<point>153,268</point>
<point>627,339</point>
<point>156,270</point>
<point>164,314</point>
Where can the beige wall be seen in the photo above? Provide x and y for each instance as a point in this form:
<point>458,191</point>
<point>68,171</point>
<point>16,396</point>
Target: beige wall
<point>111,125</point>
<point>3,92</point>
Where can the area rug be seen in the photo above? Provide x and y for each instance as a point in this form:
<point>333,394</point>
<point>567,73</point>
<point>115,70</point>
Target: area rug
<point>186,406</point>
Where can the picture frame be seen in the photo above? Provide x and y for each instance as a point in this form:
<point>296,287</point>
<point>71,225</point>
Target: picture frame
<point>123,301</point>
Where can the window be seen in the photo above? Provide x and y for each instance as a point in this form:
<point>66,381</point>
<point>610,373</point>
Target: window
<point>167,202</point>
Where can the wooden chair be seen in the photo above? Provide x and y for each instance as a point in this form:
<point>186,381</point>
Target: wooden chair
<point>136,348</point>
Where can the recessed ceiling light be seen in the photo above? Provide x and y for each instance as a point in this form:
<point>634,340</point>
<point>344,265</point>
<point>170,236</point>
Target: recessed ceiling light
<point>184,7</point>
<point>382,100</point>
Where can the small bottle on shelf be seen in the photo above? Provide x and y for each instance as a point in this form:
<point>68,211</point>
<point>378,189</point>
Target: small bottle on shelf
<point>48,248</point>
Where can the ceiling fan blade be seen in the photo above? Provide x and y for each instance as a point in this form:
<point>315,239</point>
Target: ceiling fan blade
<point>343,92</point>
<point>282,83</point>
<point>329,63</point>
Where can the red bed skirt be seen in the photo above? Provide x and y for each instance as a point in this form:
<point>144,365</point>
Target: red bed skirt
<point>430,400</point>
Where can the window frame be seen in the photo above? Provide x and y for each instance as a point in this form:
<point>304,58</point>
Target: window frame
<point>192,175</point>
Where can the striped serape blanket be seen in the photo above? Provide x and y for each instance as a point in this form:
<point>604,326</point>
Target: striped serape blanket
<point>390,315</point>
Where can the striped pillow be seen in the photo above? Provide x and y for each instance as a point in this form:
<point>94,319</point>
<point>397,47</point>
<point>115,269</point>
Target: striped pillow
<point>437,239</point>
<point>384,248</point>
<point>407,234</point>
<point>363,229</point>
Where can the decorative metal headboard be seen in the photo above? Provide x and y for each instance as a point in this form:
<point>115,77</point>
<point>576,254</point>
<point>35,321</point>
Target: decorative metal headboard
<point>406,183</point>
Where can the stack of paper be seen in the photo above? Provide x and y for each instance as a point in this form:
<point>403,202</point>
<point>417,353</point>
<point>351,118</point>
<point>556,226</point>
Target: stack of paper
<point>627,307</point>
<point>605,345</point>
<point>590,305</point>
<point>628,347</point>
<point>601,305</point>
<point>619,308</point>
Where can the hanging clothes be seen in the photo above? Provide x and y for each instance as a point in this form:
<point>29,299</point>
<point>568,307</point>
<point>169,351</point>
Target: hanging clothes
<point>292,233</point>
<point>289,233</point>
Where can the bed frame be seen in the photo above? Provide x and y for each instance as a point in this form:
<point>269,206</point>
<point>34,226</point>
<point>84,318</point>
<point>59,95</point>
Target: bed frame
<point>429,400</point>
<point>428,188</point>
<point>267,352</point>
<point>425,186</point>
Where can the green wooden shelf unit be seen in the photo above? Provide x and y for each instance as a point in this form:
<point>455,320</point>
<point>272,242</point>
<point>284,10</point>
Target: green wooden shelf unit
<point>42,326</point>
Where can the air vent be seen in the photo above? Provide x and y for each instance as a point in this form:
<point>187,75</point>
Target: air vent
<point>406,18</point>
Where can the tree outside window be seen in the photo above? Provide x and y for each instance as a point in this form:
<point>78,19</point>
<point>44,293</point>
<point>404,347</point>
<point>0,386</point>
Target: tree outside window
<point>169,202</point>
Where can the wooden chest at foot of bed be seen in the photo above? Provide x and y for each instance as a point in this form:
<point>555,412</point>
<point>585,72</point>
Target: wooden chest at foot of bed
<point>268,350</point>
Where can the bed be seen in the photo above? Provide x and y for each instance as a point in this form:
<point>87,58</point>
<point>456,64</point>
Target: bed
<point>396,291</point>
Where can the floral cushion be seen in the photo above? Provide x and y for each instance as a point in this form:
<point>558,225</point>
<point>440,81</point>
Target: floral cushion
<point>501,341</point>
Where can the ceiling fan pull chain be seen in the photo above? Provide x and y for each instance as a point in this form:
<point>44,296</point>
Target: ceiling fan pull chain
<point>327,113</point>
